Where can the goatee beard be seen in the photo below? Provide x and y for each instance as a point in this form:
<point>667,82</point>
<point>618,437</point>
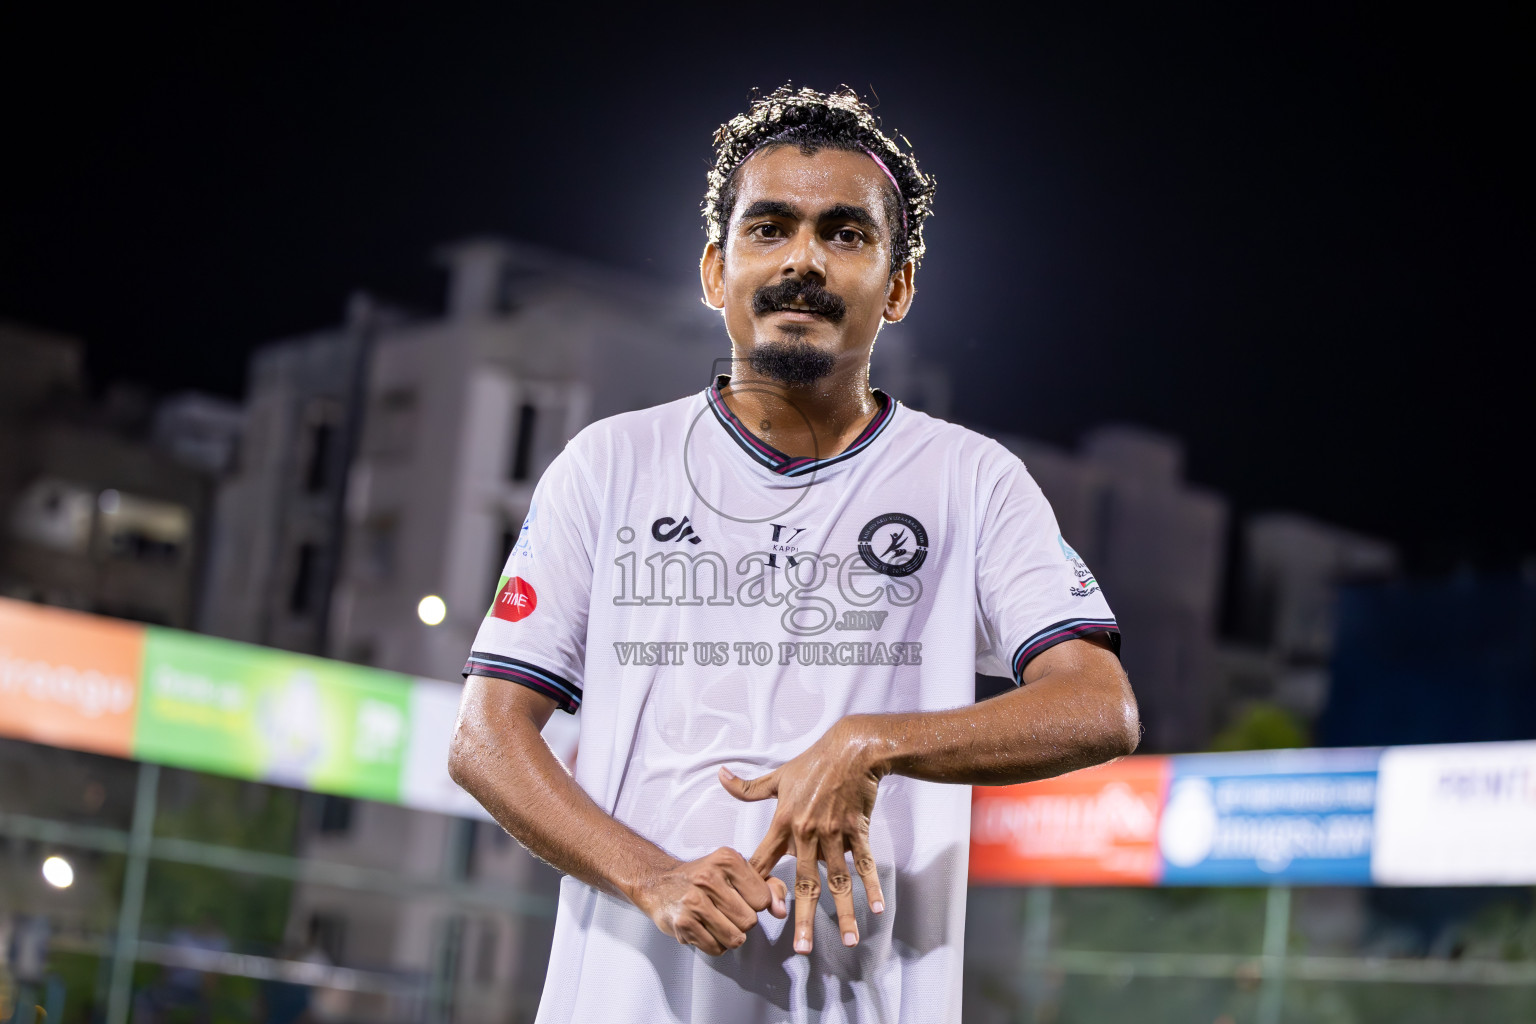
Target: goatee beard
<point>791,362</point>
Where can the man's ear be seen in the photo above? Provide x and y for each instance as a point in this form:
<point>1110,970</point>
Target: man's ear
<point>900,292</point>
<point>712,276</point>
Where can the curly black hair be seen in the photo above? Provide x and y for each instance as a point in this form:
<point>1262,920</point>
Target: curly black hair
<point>816,120</point>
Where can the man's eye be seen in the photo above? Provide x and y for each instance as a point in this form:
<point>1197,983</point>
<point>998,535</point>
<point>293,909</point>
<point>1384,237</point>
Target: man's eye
<point>766,231</point>
<point>848,236</point>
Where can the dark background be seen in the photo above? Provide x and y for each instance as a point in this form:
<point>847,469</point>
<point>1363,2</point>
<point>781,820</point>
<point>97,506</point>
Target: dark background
<point>1300,241</point>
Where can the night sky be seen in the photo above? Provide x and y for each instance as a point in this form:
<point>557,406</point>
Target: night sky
<point>1301,242</point>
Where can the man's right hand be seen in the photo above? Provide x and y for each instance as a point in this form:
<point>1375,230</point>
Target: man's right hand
<point>499,756</point>
<point>710,902</point>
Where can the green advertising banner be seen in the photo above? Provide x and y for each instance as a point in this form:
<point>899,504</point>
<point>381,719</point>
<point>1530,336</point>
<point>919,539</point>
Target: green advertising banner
<point>258,713</point>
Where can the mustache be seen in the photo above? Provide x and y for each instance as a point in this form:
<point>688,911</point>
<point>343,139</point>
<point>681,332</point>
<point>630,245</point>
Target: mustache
<point>775,297</point>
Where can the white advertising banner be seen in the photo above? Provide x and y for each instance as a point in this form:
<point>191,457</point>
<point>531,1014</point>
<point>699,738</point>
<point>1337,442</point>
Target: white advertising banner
<point>1456,814</point>
<point>425,784</point>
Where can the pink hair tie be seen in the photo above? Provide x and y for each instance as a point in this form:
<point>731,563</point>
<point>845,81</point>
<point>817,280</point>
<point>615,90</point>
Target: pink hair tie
<point>894,184</point>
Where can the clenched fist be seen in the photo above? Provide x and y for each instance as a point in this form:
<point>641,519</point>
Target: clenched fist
<point>710,902</point>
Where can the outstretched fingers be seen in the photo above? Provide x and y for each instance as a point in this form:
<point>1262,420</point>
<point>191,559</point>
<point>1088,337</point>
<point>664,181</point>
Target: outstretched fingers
<point>807,892</point>
<point>869,874</point>
<point>841,884</point>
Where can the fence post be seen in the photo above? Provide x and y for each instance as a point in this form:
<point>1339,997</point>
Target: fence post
<point>457,852</point>
<point>1277,933</point>
<point>129,912</point>
<point>1037,951</point>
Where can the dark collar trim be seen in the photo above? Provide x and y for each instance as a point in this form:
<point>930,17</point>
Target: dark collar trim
<point>792,465</point>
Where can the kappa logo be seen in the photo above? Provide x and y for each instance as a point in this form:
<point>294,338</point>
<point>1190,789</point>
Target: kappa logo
<point>668,529</point>
<point>784,543</point>
<point>894,544</point>
<point>515,600</point>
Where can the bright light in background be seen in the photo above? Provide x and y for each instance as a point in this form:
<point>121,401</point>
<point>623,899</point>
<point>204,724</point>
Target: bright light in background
<point>58,873</point>
<point>109,501</point>
<point>431,610</point>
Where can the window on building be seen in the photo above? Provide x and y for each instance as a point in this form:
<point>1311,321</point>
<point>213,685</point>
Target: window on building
<point>485,961</point>
<point>306,571</point>
<point>376,547</point>
<point>322,436</point>
<point>138,529</point>
<point>328,934</point>
<point>511,286</point>
<point>391,428</point>
<point>335,815</point>
<point>522,443</point>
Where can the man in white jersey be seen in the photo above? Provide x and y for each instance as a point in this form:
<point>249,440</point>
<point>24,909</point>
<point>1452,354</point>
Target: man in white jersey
<point>769,600</point>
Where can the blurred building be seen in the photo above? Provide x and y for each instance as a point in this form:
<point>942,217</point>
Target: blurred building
<point>43,374</point>
<point>1158,543</point>
<point>496,959</point>
<point>1286,608</point>
<point>1160,546</point>
<point>199,430</point>
<point>275,544</point>
<point>462,415</point>
<point>98,517</point>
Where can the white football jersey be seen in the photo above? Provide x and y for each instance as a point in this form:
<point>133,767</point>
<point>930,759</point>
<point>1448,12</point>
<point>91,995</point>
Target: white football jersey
<point>707,600</point>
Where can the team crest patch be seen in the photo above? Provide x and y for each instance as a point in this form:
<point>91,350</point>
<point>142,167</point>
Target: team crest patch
<point>524,545</point>
<point>515,600</point>
<point>1084,584</point>
<point>894,544</point>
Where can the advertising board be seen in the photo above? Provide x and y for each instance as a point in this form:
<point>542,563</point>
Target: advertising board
<point>257,713</point>
<point>1291,816</point>
<point>1457,814</point>
<point>68,679</point>
<point>1097,826</point>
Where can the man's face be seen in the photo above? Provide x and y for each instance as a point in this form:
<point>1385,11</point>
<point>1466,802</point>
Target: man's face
<point>807,262</point>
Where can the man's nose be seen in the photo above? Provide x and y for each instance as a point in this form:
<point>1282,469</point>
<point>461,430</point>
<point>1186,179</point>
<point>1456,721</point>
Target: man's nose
<point>805,257</point>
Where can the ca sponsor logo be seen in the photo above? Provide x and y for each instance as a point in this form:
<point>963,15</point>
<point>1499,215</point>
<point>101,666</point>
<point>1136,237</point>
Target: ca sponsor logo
<point>668,529</point>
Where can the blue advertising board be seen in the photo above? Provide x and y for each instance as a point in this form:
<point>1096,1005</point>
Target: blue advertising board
<point>1285,816</point>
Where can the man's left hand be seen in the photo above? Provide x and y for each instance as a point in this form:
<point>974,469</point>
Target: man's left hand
<point>826,796</point>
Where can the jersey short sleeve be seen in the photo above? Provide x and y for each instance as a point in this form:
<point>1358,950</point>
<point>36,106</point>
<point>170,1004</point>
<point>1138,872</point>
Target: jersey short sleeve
<point>1033,590</point>
<point>535,632</point>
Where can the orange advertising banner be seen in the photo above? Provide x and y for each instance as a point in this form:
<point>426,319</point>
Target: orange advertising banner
<point>1097,826</point>
<point>67,679</point>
